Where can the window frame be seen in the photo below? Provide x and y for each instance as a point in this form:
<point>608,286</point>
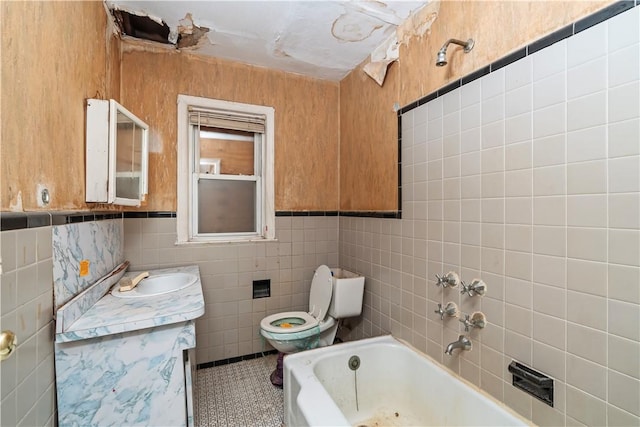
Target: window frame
<point>186,189</point>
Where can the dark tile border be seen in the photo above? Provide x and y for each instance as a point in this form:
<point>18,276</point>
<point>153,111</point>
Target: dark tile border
<point>22,220</point>
<point>11,221</point>
<point>475,75</point>
<point>374,214</point>
<point>306,213</point>
<point>512,57</point>
<point>546,41</point>
<point>235,359</point>
<point>149,214</point>
<point>603,15</point>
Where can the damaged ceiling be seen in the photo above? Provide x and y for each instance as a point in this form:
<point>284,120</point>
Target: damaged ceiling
<point>322,39</point>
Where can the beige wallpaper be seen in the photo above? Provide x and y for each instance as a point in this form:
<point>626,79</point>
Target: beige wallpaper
<point>306,113</point>
<point>54,56</point>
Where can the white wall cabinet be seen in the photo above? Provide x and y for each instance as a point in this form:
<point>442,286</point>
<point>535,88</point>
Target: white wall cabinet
<point>117,152</point>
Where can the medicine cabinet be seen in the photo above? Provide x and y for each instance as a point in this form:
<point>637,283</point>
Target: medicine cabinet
<point>117,154</point>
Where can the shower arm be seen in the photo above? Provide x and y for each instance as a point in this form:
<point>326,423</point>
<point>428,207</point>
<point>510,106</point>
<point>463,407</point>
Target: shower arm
<point>468,45</point>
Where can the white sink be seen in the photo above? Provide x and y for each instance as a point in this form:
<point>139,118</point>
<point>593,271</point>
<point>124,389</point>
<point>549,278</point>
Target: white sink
<point>157,285</point>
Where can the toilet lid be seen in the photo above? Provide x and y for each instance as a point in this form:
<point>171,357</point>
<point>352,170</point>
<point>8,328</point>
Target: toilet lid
<point>320,293</point>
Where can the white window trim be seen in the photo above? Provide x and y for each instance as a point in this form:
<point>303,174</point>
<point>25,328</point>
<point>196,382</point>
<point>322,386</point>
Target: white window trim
<point>183,213</point>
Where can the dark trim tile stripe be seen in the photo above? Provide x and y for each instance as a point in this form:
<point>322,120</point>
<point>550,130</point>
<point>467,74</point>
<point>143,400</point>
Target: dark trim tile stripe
<point>602,15</point>
<point>149,214</point>
<point>409,107</point>
<point>161,214</point>
<point>475,75</point>
<point>38,219</point>
<point>22,220</point>
<point>427,98</point>
<point>550,39</point>
<point>13,221</point>
<point>511,58</point>
<point>136,214</point>
<point>307,213</point>
<point>450,87</point>
<point>373,214</point>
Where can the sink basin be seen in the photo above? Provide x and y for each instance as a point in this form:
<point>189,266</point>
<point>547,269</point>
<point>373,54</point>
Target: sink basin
<point>157,285</point>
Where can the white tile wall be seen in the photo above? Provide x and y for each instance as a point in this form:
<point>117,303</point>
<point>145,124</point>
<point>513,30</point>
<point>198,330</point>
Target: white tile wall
<point>541,189</point>
<point>27,389</point>
<point>230,325</point>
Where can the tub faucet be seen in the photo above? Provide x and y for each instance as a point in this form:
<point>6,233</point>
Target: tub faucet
<point>463,343</point>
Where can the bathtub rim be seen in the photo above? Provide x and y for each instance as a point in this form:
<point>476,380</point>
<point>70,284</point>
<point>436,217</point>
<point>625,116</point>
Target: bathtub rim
<point>305,362</point>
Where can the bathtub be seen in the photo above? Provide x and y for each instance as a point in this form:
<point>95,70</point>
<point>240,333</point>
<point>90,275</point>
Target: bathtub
<point>396,386</point>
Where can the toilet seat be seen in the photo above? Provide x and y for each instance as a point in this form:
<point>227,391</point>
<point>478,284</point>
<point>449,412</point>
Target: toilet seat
<point>270,323</point>
<point>297,321</point>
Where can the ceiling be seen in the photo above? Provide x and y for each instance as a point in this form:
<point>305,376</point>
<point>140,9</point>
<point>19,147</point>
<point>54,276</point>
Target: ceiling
<point>325,39</point>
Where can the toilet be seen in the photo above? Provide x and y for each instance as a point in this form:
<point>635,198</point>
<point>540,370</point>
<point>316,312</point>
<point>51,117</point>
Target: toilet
<point>335,294</point>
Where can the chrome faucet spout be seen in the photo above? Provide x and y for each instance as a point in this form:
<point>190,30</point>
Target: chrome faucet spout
<point>463,343</point>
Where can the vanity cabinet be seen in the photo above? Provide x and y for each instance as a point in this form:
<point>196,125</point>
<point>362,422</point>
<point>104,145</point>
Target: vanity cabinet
<point>128,361</point>
<point>117,151</point>
<point>134,378</point>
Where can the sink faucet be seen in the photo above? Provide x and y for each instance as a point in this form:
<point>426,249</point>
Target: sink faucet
<point>463,343</point>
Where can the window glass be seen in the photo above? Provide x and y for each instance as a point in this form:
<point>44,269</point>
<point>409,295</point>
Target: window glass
<point>226,206</point>
<point>227,152</point>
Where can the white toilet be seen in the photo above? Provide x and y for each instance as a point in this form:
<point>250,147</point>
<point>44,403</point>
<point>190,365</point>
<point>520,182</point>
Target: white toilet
<point>335,294</point>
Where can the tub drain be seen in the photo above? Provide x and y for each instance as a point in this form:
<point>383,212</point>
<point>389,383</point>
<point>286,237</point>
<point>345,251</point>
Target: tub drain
<point>354,363</point>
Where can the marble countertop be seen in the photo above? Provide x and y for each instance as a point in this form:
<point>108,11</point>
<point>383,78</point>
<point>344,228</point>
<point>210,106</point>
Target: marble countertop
<point>112,315</point>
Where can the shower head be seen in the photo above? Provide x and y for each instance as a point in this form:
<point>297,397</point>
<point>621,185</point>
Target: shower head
<point>441,60</point>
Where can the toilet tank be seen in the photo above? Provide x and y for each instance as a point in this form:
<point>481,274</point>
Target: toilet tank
<point>348,290</point>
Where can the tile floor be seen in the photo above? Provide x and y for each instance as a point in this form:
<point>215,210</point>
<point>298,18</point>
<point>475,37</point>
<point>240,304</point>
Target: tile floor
<point>239,394</point>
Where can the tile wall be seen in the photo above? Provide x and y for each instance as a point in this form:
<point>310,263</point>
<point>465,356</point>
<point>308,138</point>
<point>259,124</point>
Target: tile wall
<point>27,384</point>
<point>528,178</point>
<point>230,325</point>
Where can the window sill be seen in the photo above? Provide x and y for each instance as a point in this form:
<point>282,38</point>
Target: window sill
<point>225,241</point>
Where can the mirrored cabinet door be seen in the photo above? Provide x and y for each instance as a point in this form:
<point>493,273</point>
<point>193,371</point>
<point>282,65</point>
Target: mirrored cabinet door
<point>117,154</point>
<point>128,157</point>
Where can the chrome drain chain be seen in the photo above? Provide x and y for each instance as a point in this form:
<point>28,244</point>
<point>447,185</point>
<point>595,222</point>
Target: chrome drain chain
<point>354,364</point>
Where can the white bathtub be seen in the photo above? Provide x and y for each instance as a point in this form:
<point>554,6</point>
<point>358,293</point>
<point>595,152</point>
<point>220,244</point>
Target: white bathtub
<point>396,386</point>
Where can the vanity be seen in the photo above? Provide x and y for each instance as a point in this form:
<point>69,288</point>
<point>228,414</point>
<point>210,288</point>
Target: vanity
<point>128,360</point>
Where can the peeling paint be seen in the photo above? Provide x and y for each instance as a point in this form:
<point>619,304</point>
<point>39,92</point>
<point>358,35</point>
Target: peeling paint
<point>191,35</point>
<point>416,25</point>
<point>278,49</point>
<point>324,39</point>
<point>380,59</point>
<point>15,204</point>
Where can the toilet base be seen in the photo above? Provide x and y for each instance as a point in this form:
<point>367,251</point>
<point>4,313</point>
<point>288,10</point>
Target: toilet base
<point>276,376</point>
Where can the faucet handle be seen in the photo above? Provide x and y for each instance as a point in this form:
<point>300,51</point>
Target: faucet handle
<point>451,310</point>
<point>451,279</point>
<point>476,287</point>
<point>477,320</point>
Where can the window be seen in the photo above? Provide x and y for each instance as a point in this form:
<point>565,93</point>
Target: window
<point>225,171</point>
